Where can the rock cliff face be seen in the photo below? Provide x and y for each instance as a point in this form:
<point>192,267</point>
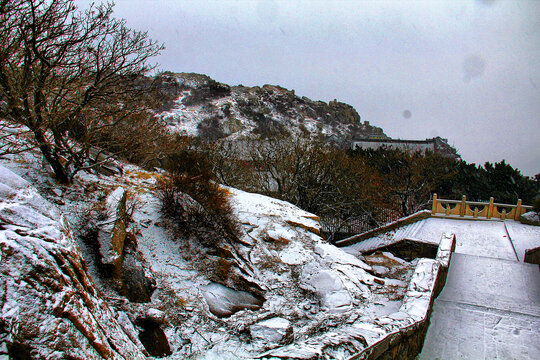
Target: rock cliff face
<point>197,105</point>
<point>49,306</point>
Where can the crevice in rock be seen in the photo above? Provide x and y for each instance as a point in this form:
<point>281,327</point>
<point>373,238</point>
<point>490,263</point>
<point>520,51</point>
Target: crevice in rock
<point>153,338</point>
<point>18,351</point>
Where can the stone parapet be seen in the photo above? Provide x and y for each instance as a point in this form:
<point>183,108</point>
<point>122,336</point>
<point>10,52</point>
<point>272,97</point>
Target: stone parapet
<point>406,329</point>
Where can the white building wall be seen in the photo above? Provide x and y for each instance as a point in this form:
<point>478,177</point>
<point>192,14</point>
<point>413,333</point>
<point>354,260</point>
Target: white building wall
<point>403,145</point>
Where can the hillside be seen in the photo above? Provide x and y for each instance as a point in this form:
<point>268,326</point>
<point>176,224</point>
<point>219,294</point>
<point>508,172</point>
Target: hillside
<point>97,261</point>
<point>197,105</point>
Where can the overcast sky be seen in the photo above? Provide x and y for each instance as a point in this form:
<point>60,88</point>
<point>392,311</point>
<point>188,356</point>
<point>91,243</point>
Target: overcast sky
<point>468,71</point>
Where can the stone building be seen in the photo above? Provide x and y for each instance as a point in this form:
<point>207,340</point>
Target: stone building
<point>436,145</point>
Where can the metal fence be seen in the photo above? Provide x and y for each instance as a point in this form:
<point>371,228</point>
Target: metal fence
<point>360,224</point>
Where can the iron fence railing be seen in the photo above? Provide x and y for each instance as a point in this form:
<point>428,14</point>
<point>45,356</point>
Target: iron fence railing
<point>359,224</point>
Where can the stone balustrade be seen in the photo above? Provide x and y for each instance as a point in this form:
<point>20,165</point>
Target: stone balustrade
<point>474,209</point>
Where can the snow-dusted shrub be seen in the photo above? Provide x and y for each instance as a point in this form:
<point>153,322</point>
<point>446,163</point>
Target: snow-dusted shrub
<point>195,204</point>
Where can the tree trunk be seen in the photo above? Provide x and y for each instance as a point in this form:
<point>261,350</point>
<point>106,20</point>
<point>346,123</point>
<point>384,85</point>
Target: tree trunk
<point>60,172</point>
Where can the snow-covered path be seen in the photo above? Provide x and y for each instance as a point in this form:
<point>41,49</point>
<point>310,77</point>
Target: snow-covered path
<point>490,306</point>
<point>484,238</point>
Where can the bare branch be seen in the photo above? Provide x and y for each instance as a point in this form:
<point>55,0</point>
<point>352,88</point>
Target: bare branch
<point>70,74</point>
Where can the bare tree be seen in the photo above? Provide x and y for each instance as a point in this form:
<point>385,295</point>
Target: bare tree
<point>69,77</point>
<point>309,173</point>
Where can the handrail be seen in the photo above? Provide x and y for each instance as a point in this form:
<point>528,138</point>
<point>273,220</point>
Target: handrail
<point>488,210</point>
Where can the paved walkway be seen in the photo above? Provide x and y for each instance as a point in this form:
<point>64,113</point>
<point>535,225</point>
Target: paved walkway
<point>490,306</point>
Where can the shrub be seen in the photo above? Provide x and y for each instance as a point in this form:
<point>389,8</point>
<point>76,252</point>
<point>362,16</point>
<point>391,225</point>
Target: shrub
<point>194,203</point>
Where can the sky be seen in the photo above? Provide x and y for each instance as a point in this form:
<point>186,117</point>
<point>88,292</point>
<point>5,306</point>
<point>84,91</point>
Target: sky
<point>468,71</point>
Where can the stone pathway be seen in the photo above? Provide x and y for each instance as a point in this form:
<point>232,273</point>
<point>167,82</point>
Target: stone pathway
<point>490,306</point>
<point>484,238</point>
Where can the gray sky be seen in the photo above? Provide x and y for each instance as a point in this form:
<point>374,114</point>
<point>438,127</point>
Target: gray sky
<point>468,71</point>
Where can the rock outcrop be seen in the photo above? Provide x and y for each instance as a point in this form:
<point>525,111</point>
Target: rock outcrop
<point>295,259</point>
<point>118,252</point>
<point>112,230</point>
<point>197,105</point>
<point>50,308</point>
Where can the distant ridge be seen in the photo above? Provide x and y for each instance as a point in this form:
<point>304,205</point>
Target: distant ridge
<point>197,105</point>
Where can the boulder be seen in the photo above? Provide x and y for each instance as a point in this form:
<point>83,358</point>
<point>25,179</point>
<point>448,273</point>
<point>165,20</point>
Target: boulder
<point>530,218</point>
<point>223,301</point>
<point>153,338</point>
<point>328,285</point>
<point>137,284</point>
<point>275,330</point>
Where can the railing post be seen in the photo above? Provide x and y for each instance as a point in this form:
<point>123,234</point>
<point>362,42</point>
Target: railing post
<point>434,208</point>
<point>503,215</point>
<point>518,210</point>
<point>463,207</point>
<point>490,208</point>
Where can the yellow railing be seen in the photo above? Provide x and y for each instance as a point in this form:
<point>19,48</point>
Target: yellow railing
<point>475,209</point>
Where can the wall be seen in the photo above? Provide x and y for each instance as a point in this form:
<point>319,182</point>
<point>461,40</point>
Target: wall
<point>407,145</point>
<point>405,342</point>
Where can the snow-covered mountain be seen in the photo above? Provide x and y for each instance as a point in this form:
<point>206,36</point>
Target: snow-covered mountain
<point>196,105</point>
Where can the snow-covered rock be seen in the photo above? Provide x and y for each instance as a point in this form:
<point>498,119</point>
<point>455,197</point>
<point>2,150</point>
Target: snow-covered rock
<point>293,242</point>
<point>50,308</point>
<point>530,218</point>
<point>156,315</point>
<point>328,286</point>
<point>223,301</point>
<point>112,231</point>
<point>274,330</point>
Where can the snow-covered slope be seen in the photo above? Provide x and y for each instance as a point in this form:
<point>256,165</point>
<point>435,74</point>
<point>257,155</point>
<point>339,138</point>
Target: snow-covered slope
<point>197,105</point>
<point>294,286</point>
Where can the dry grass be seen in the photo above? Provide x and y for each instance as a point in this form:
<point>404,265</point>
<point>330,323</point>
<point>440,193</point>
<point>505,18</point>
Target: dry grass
<point>223,269</point>
<point>143,175</point>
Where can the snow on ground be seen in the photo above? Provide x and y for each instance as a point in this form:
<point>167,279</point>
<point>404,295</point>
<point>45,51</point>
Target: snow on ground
<point>524,237</point>
<point>491,236</point>
<point>310,287</point>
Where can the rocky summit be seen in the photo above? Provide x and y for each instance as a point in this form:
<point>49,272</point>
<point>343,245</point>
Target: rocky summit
<point>197,105</point>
